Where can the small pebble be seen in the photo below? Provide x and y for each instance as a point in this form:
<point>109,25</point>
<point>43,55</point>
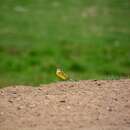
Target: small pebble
<point>68,107</point>
<point>62,101</point>
<point>71,86</point>
<point>40,89</point>
<point>109,109</point>
<point>10,100</point>
<point>115,99</point>
<point>99,84</point>
<point>14,92</point>
<point>32,105</point>
<point>1,113</point>
<point>20,107</point>
<point>2,93</point>
<point>18,99</point>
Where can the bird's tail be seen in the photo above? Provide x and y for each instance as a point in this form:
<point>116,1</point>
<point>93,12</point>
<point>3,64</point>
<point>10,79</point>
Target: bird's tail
<point>72,80</point>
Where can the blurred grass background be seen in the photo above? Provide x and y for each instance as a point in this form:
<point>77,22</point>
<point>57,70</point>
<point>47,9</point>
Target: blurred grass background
<point>89,39</point>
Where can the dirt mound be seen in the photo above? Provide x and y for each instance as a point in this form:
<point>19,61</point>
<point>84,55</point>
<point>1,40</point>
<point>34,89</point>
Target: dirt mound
<point>91,105</point>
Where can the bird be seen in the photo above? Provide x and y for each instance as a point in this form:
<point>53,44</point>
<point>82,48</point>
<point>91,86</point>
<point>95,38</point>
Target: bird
<point>61,74</point>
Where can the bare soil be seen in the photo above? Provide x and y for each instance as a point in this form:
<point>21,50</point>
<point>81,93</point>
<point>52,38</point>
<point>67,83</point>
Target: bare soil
<point>83,105</point>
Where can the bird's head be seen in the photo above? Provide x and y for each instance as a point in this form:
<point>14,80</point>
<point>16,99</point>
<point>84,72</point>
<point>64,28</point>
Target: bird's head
<point>58,68</point>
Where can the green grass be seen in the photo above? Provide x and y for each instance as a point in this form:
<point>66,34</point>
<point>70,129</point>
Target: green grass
<point>89,39</point>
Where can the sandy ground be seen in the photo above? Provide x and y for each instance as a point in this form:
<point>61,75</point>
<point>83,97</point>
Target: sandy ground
<point>83,105</point>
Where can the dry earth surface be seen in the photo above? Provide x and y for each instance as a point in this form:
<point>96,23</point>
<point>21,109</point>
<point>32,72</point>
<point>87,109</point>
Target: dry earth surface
<point>83,105</point>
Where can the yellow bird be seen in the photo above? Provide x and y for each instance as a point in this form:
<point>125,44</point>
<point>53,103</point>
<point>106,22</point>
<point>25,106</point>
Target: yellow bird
<point>60,74</point>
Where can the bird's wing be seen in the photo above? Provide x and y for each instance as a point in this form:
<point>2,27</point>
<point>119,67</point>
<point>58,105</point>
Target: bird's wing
<point>62,75</point>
